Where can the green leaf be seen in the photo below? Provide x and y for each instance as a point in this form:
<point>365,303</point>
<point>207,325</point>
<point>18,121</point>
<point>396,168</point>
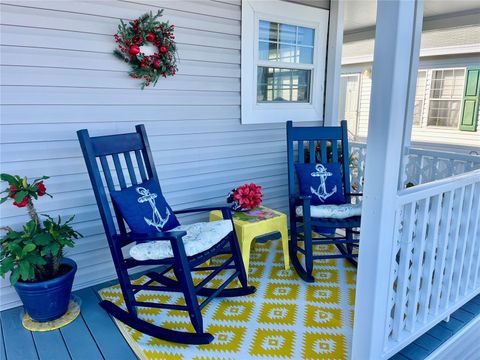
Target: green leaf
<point>42,239</point>
<point>24,269</point>
<point>2,200</point>
<point>20,195</point>
<point>29,248</point>
<point>14,276</point>
<point>8,178</point>
<point>55,249</point>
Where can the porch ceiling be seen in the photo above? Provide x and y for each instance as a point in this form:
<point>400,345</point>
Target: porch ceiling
<point>360,15</point>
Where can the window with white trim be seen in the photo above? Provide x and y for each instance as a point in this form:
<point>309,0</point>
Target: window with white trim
<point>446,93</point>
<point>283,61</point>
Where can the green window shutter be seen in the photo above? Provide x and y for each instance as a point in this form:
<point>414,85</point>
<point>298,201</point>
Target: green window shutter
<point>471,96</point>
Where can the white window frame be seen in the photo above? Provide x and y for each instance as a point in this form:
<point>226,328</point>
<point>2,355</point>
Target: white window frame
<point>426,99</point>
<point>292,14</point>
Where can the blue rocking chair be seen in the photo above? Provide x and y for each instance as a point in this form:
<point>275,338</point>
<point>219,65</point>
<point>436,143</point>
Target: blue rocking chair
<point>134,147</point>
<point>319,145</point>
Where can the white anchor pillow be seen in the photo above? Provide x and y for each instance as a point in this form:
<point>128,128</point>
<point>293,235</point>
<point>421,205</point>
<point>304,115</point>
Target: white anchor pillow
<point>144,208</point>
<point>323,182</point>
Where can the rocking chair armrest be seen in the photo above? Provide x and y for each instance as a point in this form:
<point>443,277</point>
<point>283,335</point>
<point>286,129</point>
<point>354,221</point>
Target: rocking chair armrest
<point>301,199</point>
<point>354,194</point>
<point>226,211</point>
<point>158,236</point>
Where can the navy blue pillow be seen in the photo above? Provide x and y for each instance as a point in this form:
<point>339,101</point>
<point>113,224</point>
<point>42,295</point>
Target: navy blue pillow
<point>144,208</point>
<point>323,182</point>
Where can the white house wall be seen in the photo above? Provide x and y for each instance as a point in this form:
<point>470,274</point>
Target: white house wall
<point>58,75</point>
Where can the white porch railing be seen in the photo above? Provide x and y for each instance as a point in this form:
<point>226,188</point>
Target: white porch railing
<point>435,265</point>
<point>421,167</point>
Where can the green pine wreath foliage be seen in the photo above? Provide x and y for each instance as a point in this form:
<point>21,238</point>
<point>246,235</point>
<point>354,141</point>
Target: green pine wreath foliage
<point>148,45</point>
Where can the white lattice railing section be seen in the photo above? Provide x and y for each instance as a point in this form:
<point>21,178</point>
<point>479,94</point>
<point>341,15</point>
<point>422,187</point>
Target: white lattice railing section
<point>435,265</point>
<point>422,165</point>
<point>426,165</point>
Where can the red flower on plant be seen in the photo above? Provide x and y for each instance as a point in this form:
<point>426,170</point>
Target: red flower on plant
<point>13,191</point>
<point>22,203</point>
<point>41,189</point>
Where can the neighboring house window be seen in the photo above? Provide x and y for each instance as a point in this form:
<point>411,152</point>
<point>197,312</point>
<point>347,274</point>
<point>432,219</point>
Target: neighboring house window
<point>446,93</point>
<point>283,62</point>
<point>419,97</point>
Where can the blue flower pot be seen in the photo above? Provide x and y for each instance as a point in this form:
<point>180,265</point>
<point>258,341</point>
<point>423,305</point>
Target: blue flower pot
<point>48,300</point>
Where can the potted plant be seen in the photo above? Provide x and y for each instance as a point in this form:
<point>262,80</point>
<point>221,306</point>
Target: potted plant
<point>33,255</point>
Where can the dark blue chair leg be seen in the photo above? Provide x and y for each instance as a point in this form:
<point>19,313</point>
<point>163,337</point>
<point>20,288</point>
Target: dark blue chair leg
<point>184,277</point>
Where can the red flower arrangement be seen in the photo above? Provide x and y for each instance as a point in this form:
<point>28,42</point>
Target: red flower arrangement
<point>245,197</point>
<point>148,45</point>
<point>21,191</point>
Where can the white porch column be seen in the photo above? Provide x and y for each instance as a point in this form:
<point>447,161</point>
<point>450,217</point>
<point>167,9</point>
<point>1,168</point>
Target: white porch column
<point>394,48</point>
<point>412,88</point>
<point>334,62</point>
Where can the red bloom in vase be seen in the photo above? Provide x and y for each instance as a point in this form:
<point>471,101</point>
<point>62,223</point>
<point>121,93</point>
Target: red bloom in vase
<point>248,196</point>
<point>22,203</point>
<point>41,189</point>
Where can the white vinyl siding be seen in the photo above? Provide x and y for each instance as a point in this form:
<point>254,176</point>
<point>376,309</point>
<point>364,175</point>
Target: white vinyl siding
<point>58,75</point>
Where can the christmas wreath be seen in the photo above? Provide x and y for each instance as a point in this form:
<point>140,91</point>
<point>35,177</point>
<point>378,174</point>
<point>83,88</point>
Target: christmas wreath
<point>148,45</point>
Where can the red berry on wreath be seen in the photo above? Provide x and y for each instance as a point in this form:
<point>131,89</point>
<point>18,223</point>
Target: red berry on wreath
<point>137,40</point>
<point>156,63</point>
<point>134,50</point>
<point>150,37</point>
<point>163,49</point>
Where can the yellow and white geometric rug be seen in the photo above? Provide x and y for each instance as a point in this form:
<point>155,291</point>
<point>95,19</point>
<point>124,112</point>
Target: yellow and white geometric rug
<point>286,318</point>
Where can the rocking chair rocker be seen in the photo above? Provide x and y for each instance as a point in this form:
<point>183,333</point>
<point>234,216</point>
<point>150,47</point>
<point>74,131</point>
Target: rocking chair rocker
<point>303,216</point>
<point>184,260</point>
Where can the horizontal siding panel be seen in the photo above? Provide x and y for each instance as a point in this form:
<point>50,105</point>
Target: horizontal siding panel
<point>91,19</point>
<point>55,39</point>
<point>34,76</point>
<point>93,114</point>
<point>77,59</point>
<point>13,95</point>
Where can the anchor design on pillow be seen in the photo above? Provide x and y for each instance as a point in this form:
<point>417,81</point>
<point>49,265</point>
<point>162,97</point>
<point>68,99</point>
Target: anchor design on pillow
<point>321,191</point>
<point>157,220</point>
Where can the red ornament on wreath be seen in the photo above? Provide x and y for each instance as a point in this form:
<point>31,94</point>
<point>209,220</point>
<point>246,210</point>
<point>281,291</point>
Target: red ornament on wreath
<point>148,45</point>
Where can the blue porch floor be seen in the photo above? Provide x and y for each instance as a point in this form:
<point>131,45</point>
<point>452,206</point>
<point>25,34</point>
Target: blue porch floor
<point>93,335</point>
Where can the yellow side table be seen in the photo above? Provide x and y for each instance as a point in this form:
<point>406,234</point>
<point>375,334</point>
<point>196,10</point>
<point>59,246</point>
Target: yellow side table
<point>254,223</point>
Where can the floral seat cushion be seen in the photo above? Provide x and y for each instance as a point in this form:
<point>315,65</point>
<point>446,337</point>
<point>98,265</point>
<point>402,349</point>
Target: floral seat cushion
<point>332,211</point>
<point>200,237</point>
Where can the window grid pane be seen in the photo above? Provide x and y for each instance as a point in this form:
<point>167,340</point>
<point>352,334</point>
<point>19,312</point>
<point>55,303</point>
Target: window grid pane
<point>283,85</point>
<point>285,43</point>
<point>446,92</point>
<point>419,94</point>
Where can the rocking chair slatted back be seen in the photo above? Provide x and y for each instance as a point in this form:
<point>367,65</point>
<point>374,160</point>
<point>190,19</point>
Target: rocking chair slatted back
<point>114,153</point>
<point>318,138</point>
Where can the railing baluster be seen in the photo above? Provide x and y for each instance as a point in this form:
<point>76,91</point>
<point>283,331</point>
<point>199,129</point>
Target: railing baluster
<point>474,235</point>
<point>452,246</point>
<point>462,241</point>
<point>430,255</point>
<point>417,262</point>
<point>406,244</point>
<point>445,224</point>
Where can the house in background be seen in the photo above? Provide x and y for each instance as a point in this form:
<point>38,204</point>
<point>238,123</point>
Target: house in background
<point>449,50</point>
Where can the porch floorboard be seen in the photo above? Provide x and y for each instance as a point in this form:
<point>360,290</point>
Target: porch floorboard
<point>94,335</point>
